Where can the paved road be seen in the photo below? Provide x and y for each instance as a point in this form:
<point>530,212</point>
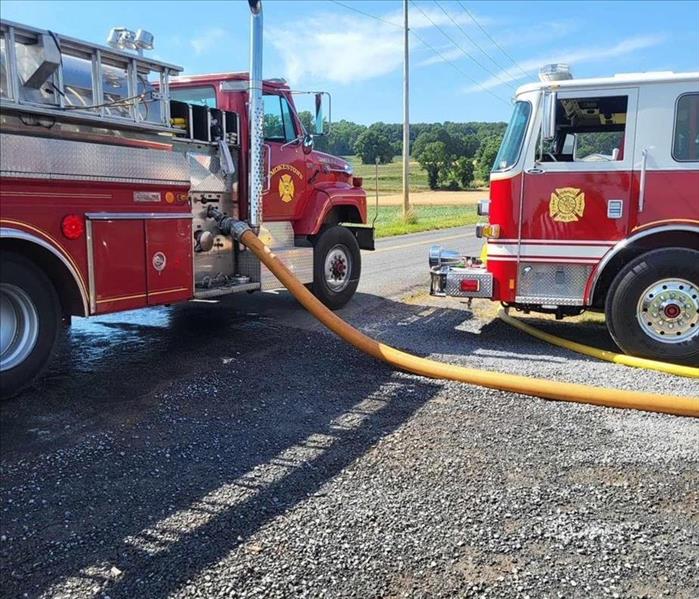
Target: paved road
<point>238,450</point>
<point>399,264</point>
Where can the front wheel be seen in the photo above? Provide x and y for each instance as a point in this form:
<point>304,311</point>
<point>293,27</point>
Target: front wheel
<point>652,308</point>
<point>337,264</point>
<point>30,317</point>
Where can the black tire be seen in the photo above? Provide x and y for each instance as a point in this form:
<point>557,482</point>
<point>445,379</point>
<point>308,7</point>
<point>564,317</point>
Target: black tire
<point>623,309</point>
<point>21,278</point>
<point>336,241</point>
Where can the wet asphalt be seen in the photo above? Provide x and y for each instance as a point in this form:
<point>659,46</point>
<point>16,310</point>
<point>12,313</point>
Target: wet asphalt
<point>237,449</point>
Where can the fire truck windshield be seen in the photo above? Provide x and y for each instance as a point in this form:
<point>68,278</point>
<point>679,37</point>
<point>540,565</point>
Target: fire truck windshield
<point>514,136</point>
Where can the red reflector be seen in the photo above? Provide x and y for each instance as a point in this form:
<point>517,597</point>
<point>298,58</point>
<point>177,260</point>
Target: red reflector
<point>73,226</point>
<point>470,285</point>
<point>357,181</point>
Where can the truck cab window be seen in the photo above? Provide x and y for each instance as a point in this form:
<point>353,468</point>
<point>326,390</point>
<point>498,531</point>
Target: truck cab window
<point>512,142</point>
<point>685,143</point>
<point>204,95</point>
<point>278,120</point>
<point>587,130</point>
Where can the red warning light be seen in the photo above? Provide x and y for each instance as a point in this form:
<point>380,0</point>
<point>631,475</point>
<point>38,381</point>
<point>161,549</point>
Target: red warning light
<point>73,226</point>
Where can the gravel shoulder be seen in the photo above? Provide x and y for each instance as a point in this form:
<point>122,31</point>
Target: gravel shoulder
<point>288,464</point>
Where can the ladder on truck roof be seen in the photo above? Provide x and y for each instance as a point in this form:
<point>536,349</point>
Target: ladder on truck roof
<point>65,79</point>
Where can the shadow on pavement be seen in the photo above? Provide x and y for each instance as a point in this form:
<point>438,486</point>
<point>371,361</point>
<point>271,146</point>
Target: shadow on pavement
<point>163,440</point>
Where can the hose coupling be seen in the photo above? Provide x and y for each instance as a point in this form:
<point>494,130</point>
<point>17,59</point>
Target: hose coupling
<point>226,224</point>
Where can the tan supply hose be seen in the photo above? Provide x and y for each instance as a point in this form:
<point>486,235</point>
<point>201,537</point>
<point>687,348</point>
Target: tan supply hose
<point>652,402</point>
<point>601,354</point>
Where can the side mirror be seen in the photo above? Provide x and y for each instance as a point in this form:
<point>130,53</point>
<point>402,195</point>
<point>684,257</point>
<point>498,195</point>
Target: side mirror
<point>320,117</point>
<point>307,143</point>
<point>548,120</point>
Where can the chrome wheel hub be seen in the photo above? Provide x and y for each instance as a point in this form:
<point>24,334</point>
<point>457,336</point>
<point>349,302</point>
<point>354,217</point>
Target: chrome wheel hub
<point>19,326</point>
<point>668,311</point>
<point>338,266</point>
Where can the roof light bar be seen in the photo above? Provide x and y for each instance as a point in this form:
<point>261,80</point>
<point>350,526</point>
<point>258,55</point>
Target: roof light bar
<point>122,38</point>
<point>555,72</point>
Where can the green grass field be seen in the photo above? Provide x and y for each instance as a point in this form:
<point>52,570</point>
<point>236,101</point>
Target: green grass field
<point>426,218</point>
<point>390,175</point>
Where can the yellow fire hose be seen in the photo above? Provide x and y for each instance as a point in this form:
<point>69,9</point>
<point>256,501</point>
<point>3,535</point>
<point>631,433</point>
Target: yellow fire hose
<point>601,354</point>
<point>652,402</point>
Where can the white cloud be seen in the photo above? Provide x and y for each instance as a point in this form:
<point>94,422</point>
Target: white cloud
<point>532,35</point>
<point>450,54</point>
<point>208,40</point>
<point>341,49</point>
<point>573,57</point>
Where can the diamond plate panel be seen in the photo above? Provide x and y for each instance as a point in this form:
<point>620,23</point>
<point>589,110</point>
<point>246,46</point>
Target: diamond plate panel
<point>554,283</point>
<point>205,173</point>
<point>548,301</point>
<point>456,275</point>
<point>249,265</point>
<point>24,156</point>
<point>297,260</point>
<point>277,235</point>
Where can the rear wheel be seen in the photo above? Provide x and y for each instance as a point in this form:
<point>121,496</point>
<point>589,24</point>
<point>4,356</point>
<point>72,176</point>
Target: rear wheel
<point>653,306</point>
<point>29,322</point>
<point>336,266</point>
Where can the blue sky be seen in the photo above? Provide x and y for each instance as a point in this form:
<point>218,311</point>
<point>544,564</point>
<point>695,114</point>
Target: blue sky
<point>320,44</point>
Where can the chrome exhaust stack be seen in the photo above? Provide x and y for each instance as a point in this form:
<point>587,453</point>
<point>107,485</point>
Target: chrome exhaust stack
<point>440,260</point>
<point>441,257</point>
<point>455,275</point>
<point>256,118</point>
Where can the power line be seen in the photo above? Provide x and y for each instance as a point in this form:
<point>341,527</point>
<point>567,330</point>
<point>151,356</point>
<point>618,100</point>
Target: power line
<point>424,43</point>
<point>469,38</point>
<point>460,48</point>
<point>492,39</point>
<point>461,71</point>
<point>366,14</point>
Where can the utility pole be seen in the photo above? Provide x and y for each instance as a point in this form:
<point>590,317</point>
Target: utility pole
<point>406,116</point>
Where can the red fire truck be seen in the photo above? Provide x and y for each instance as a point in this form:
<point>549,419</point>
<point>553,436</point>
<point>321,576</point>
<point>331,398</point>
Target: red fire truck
<point>110,162</point>
<point>594,205</point>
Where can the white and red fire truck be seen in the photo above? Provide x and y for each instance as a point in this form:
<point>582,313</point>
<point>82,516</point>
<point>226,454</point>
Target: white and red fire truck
<point>110,164</point>
<point>594,205</point>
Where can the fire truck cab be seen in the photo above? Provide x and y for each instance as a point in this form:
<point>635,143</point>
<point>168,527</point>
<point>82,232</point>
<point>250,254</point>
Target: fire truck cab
<point>594,205</point>
<point>110,166</point>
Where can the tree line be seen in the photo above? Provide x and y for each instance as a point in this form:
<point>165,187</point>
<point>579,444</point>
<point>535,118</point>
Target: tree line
<point>452,154</point>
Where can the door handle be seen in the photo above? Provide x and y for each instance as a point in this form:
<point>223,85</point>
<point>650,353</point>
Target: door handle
<point>268,173</point>
<point>642,180</point>
<point>535,171</point>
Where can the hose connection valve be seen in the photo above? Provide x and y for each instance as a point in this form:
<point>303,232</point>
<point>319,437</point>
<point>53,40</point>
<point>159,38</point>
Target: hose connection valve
<point>226,224</point>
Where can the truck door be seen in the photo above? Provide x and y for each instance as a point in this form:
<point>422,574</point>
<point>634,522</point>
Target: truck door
<point>576,195</point>
<point>287,162</point>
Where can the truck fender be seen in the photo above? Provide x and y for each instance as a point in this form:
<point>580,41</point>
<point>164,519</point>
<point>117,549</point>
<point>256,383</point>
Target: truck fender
<point>18,234</point>
<point>596,275</point>
<point>322,202</point>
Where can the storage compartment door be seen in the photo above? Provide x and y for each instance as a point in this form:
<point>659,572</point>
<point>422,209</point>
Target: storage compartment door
<point>169,260</point>
<point>118,265</point>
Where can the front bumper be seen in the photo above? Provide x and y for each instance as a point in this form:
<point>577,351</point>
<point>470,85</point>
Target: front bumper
<point>461,282</point>
<point>455,276</point>
<point>364,235</point>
